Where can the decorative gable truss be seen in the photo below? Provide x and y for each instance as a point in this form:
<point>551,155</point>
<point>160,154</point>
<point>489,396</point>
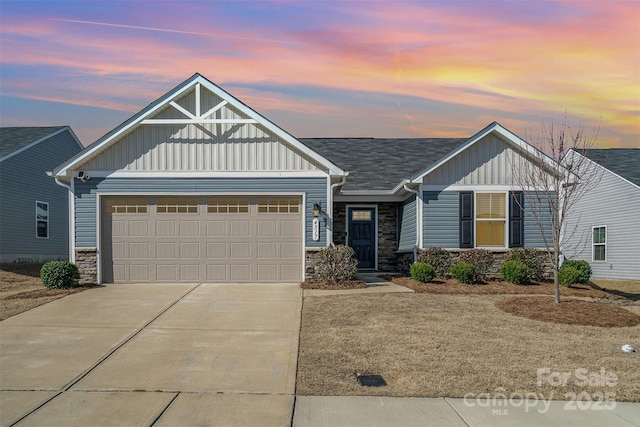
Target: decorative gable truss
<point>198,128</point>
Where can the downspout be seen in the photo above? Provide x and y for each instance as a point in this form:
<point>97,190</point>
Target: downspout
<point>330,204</point>
<point>415,247</point>
<point>71,215</point>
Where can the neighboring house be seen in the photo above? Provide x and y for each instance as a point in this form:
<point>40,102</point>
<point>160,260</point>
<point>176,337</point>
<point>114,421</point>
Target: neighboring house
<point>200,187</point>
<point>603,227</point>
<point>34,210</point>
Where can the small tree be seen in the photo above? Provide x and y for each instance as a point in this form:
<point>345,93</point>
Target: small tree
<point>556,178</point>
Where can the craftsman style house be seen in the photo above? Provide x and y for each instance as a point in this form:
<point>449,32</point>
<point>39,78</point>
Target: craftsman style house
<point>200,187</point>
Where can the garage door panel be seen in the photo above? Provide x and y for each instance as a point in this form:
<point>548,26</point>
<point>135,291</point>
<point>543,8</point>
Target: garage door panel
<point>214,239</point>
<point>166,272</point>
<point>139,250</point>
<point>189,228</point>
<point>217,228</point>
<point>165,228</point>
<point>189,250</point>
<point>267,250</point>
<point>166,250</point>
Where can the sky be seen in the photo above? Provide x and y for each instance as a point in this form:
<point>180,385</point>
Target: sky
<point>330,68</point>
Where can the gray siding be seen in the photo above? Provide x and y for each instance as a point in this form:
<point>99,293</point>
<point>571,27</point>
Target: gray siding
<point>532,236</point>
<point>614,203</point>
<point>407,224</point>
<point>441,212</point>
<point>488,162</point>
<point>85,194</point>
<point>202,147</point>
<point>23,181</point>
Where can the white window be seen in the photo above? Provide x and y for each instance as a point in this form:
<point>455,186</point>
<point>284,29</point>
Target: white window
<point>599,241</point>
<point>42,220</point>
<point>491,219</point>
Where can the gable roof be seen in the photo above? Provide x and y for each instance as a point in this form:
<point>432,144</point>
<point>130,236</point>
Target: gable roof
<point>17,139</point>
<point>624,162</point>
<point>381,164</point>
<point>167,99</point>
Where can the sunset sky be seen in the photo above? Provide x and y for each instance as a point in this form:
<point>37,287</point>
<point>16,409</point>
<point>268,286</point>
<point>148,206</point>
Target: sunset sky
<point>330,68</point>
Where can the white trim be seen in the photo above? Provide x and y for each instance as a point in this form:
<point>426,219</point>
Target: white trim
<point>476,219</point>
<point>420,222</point>
<point>100,195</point>
<point>375,222</point>
<point>205,174</point>
<point>72,224</point>
<point>369,198</point>
<point>38,141</point>
<point>476,187</point>
<point>494,127</point>
<point>48,220</point>
<point>197,79</point>
<point>593,245</point>
<point>196,121</point>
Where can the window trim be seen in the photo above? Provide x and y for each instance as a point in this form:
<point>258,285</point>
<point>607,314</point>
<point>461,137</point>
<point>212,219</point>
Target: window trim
<point>505,243</point>
<point>593,244</point>
<point>46,221</point>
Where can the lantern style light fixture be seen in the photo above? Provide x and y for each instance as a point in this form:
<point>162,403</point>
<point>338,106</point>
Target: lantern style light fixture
<point>316,210</point>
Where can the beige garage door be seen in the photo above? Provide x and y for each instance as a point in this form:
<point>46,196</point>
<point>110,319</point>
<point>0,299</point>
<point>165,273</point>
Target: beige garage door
<point>207,239</point>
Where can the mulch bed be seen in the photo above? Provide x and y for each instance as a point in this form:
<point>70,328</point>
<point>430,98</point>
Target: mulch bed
<point>452,286</point>
<point>569,311</point>
<point>321,284</point>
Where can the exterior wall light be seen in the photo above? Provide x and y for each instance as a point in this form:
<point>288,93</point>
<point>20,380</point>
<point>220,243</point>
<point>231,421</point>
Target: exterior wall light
<point>316,210</point>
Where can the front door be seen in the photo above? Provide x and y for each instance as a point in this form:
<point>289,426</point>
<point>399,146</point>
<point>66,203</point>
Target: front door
<point>362,235</point>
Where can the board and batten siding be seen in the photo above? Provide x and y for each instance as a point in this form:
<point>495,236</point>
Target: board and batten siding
<point>614,203</point>
<point>486,162</point>
<point>314,188</point>
<point>23,180</point>
<point>441,222</point>
<point>206,147</point>
<point>407,224</point>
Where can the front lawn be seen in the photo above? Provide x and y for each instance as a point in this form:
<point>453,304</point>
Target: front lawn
<point>435,345</point>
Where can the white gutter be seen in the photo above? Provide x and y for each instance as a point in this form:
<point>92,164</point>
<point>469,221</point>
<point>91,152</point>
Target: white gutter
<point>417,244</point>
<point>330,204</point>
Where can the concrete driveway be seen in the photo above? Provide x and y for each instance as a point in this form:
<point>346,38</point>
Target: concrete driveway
<point>160,354</point>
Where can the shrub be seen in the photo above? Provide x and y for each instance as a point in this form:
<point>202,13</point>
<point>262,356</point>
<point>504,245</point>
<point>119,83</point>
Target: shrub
<point>463,272</point>
<point>532,258</point>
<point>582,266</point>
<point>422,272</point>
<point>59,275</point>
<point>438,258</point>
<point>481,259</point>
<point>515,271</point>
<point>336,264</point>
<point>568,275</point>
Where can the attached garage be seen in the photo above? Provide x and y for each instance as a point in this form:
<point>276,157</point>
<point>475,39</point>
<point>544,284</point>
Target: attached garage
<point>202,239</point>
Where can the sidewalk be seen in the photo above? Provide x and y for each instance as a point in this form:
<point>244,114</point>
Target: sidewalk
<point>371,411</point>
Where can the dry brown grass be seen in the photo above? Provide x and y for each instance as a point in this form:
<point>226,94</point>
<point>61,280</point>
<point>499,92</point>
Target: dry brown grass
<point>449,345</point>
<point>21,289</point>
<point>628,288</point>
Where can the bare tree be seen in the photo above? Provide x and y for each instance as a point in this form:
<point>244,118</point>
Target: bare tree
<point>553,179</point>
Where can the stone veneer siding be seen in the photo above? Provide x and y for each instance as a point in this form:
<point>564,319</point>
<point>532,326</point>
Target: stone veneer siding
<point>387,238</point>
<point>87,262</point>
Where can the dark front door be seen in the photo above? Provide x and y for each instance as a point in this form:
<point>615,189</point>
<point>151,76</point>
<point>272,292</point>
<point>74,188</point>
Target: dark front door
<point>362,235</point>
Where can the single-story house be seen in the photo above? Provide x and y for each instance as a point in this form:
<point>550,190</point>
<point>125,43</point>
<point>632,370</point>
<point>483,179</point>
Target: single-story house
<point>603,226</point>
<point>200,187</point>
<point>34,210</point>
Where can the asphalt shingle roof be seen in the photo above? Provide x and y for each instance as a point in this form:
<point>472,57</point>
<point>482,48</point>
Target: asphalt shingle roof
<point>381,163</point>
<point>621,161</point>
<point>14,138</point>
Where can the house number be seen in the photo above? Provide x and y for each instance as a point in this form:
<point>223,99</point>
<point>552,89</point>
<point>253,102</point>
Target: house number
<point>316,229</point>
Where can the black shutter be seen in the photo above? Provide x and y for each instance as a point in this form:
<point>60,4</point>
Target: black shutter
<point>516,219</point>
<point>466,219</point>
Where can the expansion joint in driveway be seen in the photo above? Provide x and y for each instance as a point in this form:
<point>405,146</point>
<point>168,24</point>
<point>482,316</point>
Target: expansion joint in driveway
<point>125,341</point>
<point>105,357</point>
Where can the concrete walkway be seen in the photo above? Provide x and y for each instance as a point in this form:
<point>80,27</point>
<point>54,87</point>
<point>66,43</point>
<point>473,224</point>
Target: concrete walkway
<point>162,355</point>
